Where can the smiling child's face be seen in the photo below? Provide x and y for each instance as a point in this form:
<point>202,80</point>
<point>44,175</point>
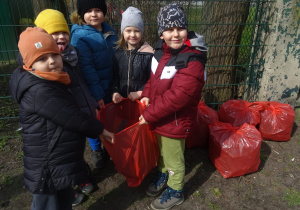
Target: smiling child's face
<point>94,17</point>
<point>174,37</point>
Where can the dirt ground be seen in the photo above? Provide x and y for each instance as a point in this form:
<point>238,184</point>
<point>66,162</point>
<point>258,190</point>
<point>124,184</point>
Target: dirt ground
<point>276,185</point>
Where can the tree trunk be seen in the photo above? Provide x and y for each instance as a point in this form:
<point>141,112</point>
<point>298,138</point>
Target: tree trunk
<point>223,23</point>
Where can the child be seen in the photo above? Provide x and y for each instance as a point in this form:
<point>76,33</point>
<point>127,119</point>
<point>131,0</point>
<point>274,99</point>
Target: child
<point>94,40</point>
<point>56,25</point>
<point>54,128</point>
<point>133,58</point>
<point>171,96</point>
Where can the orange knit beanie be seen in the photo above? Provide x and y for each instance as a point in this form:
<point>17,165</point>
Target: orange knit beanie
<point>35,42</point>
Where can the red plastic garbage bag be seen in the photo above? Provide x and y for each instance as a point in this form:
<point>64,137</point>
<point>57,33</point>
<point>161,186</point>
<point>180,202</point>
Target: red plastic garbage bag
<point>277,121</point>
<point>238,112</point>
<point>135,151</point>
<point>234,151</point>
<point>199,135</point>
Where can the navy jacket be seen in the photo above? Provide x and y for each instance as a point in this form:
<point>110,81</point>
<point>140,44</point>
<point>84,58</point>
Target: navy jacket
<point>96,55</point>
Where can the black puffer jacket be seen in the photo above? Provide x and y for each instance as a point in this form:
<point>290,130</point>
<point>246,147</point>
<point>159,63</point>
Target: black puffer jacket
<point>54,131</point>
<point>132,69</point>
<point>78,87</point>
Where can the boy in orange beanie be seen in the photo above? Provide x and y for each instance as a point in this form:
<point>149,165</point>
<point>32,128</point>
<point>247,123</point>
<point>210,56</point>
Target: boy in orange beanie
<point>53,126</point>
<point>55,24</point>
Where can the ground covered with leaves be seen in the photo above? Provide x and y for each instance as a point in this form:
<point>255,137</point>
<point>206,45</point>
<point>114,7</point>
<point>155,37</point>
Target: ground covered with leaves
<point>276,185</point>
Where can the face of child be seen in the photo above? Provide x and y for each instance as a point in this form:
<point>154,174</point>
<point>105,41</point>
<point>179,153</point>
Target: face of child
<point>174,37</point>
<point>49,62</point>
<point>94,17</point>
<point>132,36</point>
<point>62,39</point>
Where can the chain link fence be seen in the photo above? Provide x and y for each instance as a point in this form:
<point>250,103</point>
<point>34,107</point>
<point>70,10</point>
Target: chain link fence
<point>233,31</point>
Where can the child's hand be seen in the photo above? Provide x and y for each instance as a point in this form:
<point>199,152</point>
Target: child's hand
<point>97,112</point>
<point>143,121</point>
<point>117,98</point>
<point>107,136</point>
<point>134,95</point>
<point>146,101</point>
<point>101,104</point>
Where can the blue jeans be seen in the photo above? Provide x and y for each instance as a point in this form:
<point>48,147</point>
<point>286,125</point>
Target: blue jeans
<point>95,144</point>
<point>57,200</point>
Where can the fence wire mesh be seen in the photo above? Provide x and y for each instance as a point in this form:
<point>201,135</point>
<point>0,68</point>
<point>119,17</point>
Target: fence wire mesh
<point>233,31</point>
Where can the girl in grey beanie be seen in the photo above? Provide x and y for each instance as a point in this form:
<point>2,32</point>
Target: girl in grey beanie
<point>132,58</point>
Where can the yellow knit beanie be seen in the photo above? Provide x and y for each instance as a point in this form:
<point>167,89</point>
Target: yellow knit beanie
<point>52,21</point>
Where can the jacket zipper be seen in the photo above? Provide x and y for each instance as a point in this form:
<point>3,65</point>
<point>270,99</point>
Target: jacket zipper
<point>176,119</point>
<point>128,73</point>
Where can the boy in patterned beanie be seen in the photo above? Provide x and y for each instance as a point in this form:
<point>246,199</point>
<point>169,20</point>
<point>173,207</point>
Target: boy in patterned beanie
<point>171,96</point>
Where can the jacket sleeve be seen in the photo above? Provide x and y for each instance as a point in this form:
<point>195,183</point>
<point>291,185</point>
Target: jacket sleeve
<point>187,84</point>
<point>87,66</point>
<point>62,110</point>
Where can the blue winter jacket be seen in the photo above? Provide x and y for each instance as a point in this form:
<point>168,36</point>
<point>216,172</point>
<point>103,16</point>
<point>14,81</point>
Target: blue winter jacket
<point>96,54</point>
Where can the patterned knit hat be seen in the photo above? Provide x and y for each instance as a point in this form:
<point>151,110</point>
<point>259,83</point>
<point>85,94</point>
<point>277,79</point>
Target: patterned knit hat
<point>35,42</point>
<point>171,15</point>
<point>52,21</point>
<point>84,5</point>
<point>132,17</point>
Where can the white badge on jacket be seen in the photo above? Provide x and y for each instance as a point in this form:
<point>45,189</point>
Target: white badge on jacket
<point>168,72</point>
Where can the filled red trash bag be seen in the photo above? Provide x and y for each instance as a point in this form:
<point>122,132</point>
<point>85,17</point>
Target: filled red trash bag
<point>234,151</point>
<point>135,151</point>
<point>277,121</point>
<point>238,112</point>
<point>199,135</point>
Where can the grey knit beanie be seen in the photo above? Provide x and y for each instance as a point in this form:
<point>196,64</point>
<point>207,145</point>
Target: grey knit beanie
<point>132,17</point>
<point>171,15</point>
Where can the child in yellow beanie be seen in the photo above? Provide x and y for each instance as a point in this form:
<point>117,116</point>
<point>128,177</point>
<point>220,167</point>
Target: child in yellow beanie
<point>53,126</point>
<point>54,23</point>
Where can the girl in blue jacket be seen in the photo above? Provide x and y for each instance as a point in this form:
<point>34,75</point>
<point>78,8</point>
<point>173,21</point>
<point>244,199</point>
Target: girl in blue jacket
<point>94,40</point>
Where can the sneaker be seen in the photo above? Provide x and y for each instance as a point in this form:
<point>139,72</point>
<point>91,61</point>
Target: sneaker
<point>78,199</point>
<point>87,187</point>
<point>158,184</point>
<point>168,199</point>
<point>97,158</point>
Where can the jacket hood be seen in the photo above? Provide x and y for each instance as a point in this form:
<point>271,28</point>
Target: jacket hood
<point>78,23</point>
<point>107,30</point>
<point>20,81</point>
<point>75,18</point>
<point>146,48</point>
<point>197,41</point>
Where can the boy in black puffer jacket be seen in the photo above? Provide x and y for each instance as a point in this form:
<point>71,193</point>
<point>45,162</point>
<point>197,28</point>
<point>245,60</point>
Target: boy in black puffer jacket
<point>55,24</point>
<point>54,128</point>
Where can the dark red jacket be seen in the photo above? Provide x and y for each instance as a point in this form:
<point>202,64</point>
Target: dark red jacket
<point>174,89</point>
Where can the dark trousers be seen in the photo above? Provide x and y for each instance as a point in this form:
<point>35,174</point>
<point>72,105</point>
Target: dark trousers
<point>57,200</point>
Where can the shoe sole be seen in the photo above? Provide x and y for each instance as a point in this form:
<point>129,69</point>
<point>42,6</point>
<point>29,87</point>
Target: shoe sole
<point>175,204</point>
<point>80,202</point>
